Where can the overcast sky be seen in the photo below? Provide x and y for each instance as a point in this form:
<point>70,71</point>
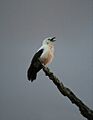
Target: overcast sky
<point>23,26</point>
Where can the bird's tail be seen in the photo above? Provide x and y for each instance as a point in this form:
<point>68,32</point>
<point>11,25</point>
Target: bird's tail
<point>31,75</point>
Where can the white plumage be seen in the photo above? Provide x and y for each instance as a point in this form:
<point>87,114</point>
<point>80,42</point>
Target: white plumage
<point>45,54</point>
<point>48,53</point>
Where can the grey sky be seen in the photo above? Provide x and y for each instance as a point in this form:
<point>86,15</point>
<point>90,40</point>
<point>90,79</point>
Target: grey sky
<point>23,26</point>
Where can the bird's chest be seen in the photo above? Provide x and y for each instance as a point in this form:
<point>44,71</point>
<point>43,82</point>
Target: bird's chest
<point>47,56</point>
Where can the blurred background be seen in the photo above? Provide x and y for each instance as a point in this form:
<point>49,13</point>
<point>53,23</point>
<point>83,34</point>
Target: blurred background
<point>23,26</point>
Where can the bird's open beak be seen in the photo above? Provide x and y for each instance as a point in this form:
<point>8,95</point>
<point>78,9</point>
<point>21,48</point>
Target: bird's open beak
<point>53,39</point>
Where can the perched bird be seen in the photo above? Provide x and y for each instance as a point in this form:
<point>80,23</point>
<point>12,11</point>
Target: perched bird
<point>45,54</point>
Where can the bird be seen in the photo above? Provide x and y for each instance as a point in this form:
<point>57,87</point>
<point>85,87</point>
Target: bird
<point>43,56</point>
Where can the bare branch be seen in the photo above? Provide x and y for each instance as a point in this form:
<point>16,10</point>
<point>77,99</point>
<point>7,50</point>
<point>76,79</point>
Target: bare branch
<point>84,110</point>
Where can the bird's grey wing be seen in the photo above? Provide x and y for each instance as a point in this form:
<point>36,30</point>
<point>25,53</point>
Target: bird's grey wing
<point>35,66</point>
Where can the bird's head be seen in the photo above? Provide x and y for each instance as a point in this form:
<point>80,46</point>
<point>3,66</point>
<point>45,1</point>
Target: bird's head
<point>49,41</point>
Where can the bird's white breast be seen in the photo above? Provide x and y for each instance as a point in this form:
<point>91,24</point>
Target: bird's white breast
<point>47,55</point>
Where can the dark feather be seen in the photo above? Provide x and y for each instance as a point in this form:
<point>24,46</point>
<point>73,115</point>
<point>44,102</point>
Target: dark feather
<point>35,66</point>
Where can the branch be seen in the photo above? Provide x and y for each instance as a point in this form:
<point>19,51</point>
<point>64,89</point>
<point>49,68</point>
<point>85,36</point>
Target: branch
<point>84,110</point>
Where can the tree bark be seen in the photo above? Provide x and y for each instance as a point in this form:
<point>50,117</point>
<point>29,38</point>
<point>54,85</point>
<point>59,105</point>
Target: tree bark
<point>84,110</point>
